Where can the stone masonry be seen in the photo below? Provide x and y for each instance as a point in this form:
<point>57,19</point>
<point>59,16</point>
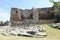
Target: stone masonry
<point>34,15</point>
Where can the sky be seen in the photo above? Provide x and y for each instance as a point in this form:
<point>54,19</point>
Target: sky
<point>6,5</point>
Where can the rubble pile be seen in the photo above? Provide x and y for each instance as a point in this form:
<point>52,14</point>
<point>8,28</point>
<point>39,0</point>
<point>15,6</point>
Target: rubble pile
<point>55,25</point>
<point>32,30</point>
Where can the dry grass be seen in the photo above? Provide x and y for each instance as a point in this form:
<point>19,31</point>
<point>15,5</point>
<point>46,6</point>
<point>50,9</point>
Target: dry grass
<point>52,34</point>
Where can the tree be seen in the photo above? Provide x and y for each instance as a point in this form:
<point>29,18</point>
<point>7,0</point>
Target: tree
<point>57,5</point>
<point>56,9</point>
<point>51,1</point>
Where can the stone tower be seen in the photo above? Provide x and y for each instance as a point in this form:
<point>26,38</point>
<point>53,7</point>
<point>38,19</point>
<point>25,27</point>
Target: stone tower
<point>15,16</point>
<point>35,15</point>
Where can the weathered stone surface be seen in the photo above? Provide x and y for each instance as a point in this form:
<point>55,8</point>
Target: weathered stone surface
<point>20,16</point>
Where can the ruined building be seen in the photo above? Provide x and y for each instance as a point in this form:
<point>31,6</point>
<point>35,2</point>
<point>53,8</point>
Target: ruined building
<point>34,15</point>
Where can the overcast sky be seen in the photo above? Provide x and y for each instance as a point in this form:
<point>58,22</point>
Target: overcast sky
<point>6,5</point>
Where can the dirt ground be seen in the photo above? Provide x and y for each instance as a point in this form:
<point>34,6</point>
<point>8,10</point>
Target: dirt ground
<point>24,38</point>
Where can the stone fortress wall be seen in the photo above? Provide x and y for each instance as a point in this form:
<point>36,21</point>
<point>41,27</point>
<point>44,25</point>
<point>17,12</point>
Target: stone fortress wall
<point>34,15</point>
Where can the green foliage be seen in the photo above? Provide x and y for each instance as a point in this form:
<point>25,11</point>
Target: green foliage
<point>57,5</point>
<point>51,1</point>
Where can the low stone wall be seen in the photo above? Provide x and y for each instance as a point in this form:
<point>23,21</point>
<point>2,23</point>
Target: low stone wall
<point>46,21</point>
<point>27,22</point>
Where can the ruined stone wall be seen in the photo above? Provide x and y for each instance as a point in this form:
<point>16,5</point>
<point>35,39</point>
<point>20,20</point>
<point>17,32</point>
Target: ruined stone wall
<point>15,16</point>
<point>35,15</point>
<point>26,14</point>
<point>20,16</point>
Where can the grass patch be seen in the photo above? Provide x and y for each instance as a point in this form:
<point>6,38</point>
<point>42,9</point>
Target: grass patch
<point>51,32</point>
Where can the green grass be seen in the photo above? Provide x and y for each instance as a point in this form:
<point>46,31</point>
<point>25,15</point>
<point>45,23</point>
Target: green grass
<point>52,32</point>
